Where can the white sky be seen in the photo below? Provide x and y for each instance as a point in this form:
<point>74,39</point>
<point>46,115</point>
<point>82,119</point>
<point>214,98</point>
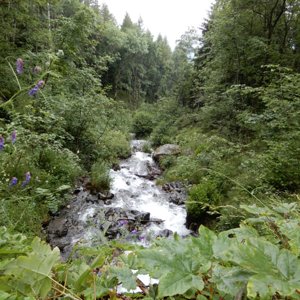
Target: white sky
<point>171,18</point>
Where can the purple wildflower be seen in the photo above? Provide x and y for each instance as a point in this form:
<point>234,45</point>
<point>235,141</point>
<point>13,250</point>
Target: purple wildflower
<point>134,231</point>
<point>19,65</point>
<point>1,142</point>
<point>13,181</point>
<point>35,89</point>
<point>27,179</point>
<point>122,222</point>
<point>142,238</point>
<point>13,136</point>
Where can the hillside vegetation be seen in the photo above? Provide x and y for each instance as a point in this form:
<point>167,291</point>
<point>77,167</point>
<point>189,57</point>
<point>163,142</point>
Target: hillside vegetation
<point>74,84</point>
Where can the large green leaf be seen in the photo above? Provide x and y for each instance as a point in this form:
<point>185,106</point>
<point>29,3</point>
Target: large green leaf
<point>125,276</point>
<point>177,265</point>
<point>230,280</point>
<point>31,273</point>
<point>205,242</point>
<point>178,283</point>
<point>269,269</point>
<point>291,230</point>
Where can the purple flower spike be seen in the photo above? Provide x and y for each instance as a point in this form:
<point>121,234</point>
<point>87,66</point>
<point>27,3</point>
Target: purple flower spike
<point>19,65</point>
<point>134,231</point>
<point>13,136</point>
<point>13,181</point>
<point>142,238</point>
<point>122,222</point>
<point>1,142</point>
<point>35,89</point>
<point>27,179</point>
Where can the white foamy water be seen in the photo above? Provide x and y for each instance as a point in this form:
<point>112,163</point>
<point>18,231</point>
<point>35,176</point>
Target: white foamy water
<point>86,214</point>
<point>133,191</point>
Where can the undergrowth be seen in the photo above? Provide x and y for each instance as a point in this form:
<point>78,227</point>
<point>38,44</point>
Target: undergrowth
<point>257,260</point>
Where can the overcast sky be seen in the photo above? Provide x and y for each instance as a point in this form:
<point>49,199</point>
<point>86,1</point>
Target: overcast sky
<point>171,18</point>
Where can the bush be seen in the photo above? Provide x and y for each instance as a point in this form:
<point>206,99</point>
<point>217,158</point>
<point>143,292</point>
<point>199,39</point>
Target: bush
<point>147,148</point>
<point>113,146</point>
<point>142,124</point>
<point>163,133</point>
<point>100,178</point>
<point>202,199</point>
<point>183,168</point>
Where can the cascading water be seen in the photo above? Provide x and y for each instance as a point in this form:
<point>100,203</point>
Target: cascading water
<point>133,191</point>
<point>138,207</point>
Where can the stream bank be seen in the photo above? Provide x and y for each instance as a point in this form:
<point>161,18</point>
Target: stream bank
<point>135,209</point>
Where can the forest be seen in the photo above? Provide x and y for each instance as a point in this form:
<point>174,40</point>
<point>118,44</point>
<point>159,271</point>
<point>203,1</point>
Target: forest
<point>74,86</point>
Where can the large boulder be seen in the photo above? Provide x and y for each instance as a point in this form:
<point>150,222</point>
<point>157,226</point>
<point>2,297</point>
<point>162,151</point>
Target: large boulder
<point>164,150</point>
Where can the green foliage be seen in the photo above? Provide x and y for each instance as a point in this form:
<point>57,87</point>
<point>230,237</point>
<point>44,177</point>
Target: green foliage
<point>53,199</point>
<point>142,124</point>
<point>114,145</point>
<point>31,274</point>
<point>239,138</point>
<point>162,133</point>
<point>178,272</point>
<point>100,179</point>
<point>165,113</point>
<point>183,168</point>
<point>202,198</point>
<point>49,164</point>
<point>147,147</point>
<point>239,261</point>
<point>258,259</point>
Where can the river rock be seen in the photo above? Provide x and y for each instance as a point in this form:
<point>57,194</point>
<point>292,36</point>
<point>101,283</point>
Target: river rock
<point>107,196</point>
<point>77,190</point>
<point>116,167</point>
<point>177,192</point>
<point>58,227</point>
<point>91,198</point>
<point>143,218</point>
<point>173,186</point>
<point>165,233</point>
<point>152,173</point>
<point>165,150</point>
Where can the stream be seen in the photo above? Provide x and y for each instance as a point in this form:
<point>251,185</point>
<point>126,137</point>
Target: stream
<point>135,209</point>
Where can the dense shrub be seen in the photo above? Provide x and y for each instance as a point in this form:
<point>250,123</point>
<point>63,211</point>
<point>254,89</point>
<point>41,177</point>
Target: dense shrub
<point>163,133</point>
<point>142,124</point>
<point>112,146</point>
<point>36,172</point>
<point>100,179</point>
<point>202,198</point>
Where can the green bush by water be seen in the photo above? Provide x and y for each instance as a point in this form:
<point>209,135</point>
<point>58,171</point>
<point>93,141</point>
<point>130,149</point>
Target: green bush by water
<point>100,179</point>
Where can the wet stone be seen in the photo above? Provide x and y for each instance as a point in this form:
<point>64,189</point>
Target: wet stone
<point>77,190</point>
<point>105,196</point>
<point>58,227</point>
<point>143,218</point>
<point>91,198</point>
<point>116,167</point>
<point>165,233</point>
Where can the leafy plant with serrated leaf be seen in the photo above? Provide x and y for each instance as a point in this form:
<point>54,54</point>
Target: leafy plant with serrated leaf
<point>52,198</point>
<point>242,262</point>
<point>258,260</point>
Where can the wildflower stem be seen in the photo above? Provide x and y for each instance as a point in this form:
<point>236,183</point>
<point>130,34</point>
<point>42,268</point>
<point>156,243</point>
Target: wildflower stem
<point>12,98</point>
<point>16,77</point>
<point>236,182</point>
<point>70,293</point>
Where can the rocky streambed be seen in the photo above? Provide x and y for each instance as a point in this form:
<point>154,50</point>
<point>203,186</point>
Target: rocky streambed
<point>135,209</point>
